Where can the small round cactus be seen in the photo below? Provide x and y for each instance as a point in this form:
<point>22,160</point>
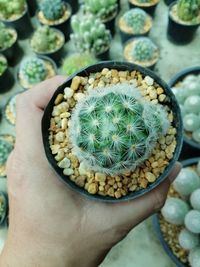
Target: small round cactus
<point>195,199</point>
<point>192,104</point>
<point>3,64</point>
<point>11,8</point>
<point>5,149</point>
<point>196,136</point>
<point>52,9</point>
<point>6,36</point>
<point>144,49</point>
<point>188,240</point>
<point>33,70</point>
<point>114,131</point>
<point>175,210</point>
<point>136,19</point>
<point>186,182</point>
<point>192,221</point>
<point>188,10</point>
<point>194,257</point>
<point>191,122</point>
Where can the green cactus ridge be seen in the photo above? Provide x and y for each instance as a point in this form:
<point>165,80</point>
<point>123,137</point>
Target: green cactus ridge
<point>3,65</point>
<point>5,150</point>
<point>6,37</point>
<point>188,10</point>
<point>52,9</point>
<point>136,19</point>
<point>33,70</point>
<point>116,129</point>
<point>144,49</point>
<point>10,8</point>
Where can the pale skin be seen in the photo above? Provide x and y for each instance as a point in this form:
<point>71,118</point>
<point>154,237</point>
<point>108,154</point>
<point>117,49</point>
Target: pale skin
<point>50,225</point>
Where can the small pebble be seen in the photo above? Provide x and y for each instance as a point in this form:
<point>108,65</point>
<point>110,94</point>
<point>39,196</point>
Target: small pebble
<point>65,163</point>
<point>68,171</point>
<point>149,81</point>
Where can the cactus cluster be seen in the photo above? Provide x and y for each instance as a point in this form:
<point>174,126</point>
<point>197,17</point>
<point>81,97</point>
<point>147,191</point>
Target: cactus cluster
<point>136,19</point>
<point>33,70</point>
<point>144,49</point>
<point>52,9</point>
<point>77,61</point>
<point>101,8</point>
<point>113,130</point>
<point>6,36</point>
<point>11,8</point>
<point>3,64</point>
<point>90,34</point>
<point>179,211</point>
<point>188,95</point>
<point>46,39</point>
<point>5,149</point>
<point>188,10</point>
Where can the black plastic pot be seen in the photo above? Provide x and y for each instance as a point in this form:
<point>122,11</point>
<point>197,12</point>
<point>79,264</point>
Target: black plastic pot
<point>149,9</point>
<point>32,7</point>
<point>168,2</point>
<point>22,25</point>
<point>121,66</point>
<point>156,223</point>
<point>110,23</point>
<point>190,148</point>
<point>65,26</point>
<point>127,36</point>
<point>6,81</point>
<point>180,33</point>
<point>5,214</point>
<point>74,5</point>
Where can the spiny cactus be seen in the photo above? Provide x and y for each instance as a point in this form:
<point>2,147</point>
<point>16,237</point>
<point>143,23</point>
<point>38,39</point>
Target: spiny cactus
<point>101,8</point>
<point>46,39</point>
<point>11,7</point>
<point>144,49</point>
<point>188,10</point>
<point>6,36</point>
<point>77,61</point>
<point>3,64</point>
<point>136,19</point>
<point>5,149</point>
<point>90,34</point>
<point>194,257</point>
<point>113,130</point>
<point>33,70</point>
<point>52,9</point>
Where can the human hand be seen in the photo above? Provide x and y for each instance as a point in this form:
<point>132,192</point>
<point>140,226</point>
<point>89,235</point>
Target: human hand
<point>50,225</point>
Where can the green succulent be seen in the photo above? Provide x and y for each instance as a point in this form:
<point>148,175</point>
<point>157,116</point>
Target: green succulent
<point>76,62</point>
<point>113,130</point>
<point>194,257</point>
<point>52,9</point>
<point>90,34</point>
<point>192,220</point>
<point>5,150</point>
<point>188,10</point>
<point>3,205</point>
<point>188,240</point>
<point>6,36</point>
<point>144,49</point>
<point>11,8</point>
<point>33,70</point>
<point>136,19</point>
<point>3,64</point>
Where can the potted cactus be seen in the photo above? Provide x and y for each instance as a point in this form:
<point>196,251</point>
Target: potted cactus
<point>148,5</point>
<point>75,62</point>
<point>10,109</point>
<point>48,42</point>
<point>55,13</point>
<point>6,146</point>
<point>110,129</point>
<point>184,20</point>
<point>32,7</point>
<point>90,35</point>
<point>105,10</point>
<point>14,13</point>
<point>3,207</point>
<point>133,23</point>
<point>178,224</point>
<point>141,51</point>
<point>6,78</point>
<point>9,46</point>
<point>34,70</point>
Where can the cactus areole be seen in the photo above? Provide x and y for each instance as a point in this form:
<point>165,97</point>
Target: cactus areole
<point>114,129</point>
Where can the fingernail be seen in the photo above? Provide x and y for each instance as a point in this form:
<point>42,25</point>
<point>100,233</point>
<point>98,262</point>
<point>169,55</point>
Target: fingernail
<point>175,172</point>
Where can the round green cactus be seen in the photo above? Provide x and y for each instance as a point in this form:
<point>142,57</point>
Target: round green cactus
<point>144,49</point>
<point>3,64</point>
<point>136,19</point>
<point>192,221</point>
<point>5,149</point>
<point>186,182</point>
<point>33,70</point>
<point>194,257</point>
<point>11,8</point>
<point>188,240</point>
<point>113,130</point>
<point>6,37</point>
<point>175,210</point>
<point>188,10</point>
<point>191,122</point>
<point>195,199</point>
<point>192,104</point>
<point>52,9</point>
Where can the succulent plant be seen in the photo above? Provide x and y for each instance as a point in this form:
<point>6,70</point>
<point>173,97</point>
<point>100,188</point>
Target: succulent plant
<point>101,8</point>
<point>188,10</point>
<point>192,104</point>
<point>90,34</point>
<point>136,19</point>
<point>46,39</point>
<point>77,61</point>
<point>194,257</point>
<point>52,9</point>
<point>3,207</point>
<point>11,8</point>
<point>33,70</point>
<point>192,221</point>
<point>6,37</point>
<point>5,149</point>
<point>113,130</point>
<point>188,240</point>
<point>144,49</point>
<point>3,64</point>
